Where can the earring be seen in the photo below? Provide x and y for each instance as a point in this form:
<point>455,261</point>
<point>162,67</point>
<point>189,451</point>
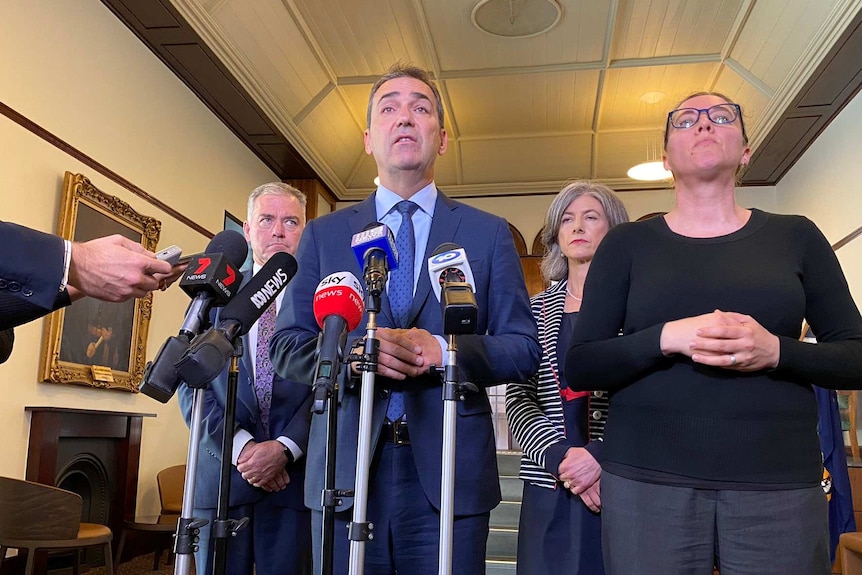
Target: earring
<point>562,255</point>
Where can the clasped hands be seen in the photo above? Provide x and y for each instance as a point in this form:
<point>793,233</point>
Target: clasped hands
<point>723,339</point>
<point>580,473</point>
<point>406,353</point>
<point>262,465</point>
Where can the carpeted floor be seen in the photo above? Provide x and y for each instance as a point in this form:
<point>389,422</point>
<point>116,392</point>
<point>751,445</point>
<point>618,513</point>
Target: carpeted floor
<point>142,565</point>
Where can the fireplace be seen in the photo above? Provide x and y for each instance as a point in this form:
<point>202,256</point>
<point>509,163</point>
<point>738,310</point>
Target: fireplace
<point>92,453</point>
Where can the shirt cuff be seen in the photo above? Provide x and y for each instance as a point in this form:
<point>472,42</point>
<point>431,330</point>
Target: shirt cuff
<point>240,438</point>
<point>444,347</point>
<point>67,260</point>
<point>290,445</point>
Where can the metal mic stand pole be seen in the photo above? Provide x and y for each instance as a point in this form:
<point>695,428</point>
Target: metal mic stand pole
<point>222,526</point>
<point>325,391</point>
<point>188,527</point>
<point>359,530</point>
<point>452,392</point>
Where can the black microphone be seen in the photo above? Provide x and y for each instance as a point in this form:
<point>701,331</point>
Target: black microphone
<point>210,351</point>
<point>375,250</point>
<point>452,279</point>
<point>211,278</point>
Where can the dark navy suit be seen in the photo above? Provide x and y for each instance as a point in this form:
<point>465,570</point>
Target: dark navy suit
<point>31,269</point>
<point>289,532</point>
<point>507,350</point>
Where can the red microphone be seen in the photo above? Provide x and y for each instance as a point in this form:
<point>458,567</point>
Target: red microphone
<point>339,295</point>
<point>338,309</point>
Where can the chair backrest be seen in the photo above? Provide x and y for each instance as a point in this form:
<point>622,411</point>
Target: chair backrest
<point>171,481</point>
<point>38,512</point>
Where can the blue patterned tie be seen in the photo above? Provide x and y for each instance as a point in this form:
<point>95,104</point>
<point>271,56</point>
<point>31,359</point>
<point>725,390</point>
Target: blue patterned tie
<point>401,287</point>
<point>263,370</point>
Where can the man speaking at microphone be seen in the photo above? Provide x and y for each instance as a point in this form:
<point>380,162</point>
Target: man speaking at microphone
<point>405,135</point>
<point>270,435</point>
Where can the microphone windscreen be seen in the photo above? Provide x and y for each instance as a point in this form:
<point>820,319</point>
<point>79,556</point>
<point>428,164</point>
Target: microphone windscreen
<point>261,290</point>
<point>375,236</point>
<point>230,243</point>
<point>339,294</point>
<point>449,260</point>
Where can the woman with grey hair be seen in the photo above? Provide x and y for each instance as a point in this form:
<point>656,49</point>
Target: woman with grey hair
<point>559,429</point>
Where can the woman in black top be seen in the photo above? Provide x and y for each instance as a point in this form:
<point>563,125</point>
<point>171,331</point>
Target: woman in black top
<point>711,452</point>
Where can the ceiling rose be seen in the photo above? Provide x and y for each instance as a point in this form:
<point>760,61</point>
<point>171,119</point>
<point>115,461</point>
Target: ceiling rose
<point>516,18</point>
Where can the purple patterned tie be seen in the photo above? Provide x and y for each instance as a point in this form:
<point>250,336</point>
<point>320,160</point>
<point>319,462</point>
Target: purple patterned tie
<point>401,287</point>
<point>263,366</point>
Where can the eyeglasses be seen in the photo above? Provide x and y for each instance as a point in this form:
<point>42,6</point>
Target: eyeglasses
<point>720,114</point>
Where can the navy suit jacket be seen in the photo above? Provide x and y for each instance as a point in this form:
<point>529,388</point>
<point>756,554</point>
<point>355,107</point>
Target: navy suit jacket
<point>31,269</point>
<point>290,416</point>
<point>507,349</point>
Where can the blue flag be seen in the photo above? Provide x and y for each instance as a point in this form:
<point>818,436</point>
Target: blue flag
<point>836,480</point>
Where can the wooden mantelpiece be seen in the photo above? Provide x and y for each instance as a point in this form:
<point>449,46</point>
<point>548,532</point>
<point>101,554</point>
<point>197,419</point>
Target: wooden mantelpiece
<point>49,426</point>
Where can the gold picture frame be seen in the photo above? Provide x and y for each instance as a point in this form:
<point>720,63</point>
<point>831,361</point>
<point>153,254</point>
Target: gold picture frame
<point>95,343</point>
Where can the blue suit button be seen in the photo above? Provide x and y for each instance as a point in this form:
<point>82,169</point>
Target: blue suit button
<point>27,292</point>
<point>2,283</point>
<point>383,394</point>
<point>14,286</point>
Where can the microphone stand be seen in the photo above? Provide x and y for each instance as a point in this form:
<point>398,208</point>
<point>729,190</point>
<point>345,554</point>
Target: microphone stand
<point>325,391</point>
<point>222,526</point>
<point>359,530</point>
<point>188,527</point>
<point>453,391</point>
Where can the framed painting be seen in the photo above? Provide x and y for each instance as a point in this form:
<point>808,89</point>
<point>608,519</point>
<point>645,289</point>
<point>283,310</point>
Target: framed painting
<point>92,342</point>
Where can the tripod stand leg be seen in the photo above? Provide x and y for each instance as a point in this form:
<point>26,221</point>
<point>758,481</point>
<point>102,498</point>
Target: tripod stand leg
<point>186,536</point>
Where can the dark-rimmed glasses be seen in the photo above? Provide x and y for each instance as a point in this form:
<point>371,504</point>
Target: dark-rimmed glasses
<point>721,114</point>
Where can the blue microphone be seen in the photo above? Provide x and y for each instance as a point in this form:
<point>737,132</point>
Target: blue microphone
<point>375,250</point>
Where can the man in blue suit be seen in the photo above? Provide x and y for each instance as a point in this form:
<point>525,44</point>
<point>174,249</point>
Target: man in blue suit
<point>405,135</point>
<point>270,434</point>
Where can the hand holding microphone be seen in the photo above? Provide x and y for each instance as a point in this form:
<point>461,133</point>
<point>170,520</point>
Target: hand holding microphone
<point>211,279</point>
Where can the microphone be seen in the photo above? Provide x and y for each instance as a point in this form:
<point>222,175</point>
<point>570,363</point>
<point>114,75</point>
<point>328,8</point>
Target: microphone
<point>452,279</point>
<point>208,353</point>
<point>215,279</point>
<point>338,310</point>
<point>375,250</point>
<point>212,278</point>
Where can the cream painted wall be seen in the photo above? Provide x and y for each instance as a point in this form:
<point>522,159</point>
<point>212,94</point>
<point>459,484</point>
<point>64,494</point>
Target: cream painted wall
<point>825,186</point>
<point>75,70</point>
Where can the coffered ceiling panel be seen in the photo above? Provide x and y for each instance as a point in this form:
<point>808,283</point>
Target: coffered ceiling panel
<point>577,40</point>
<point>665,28</point>
<point>556,102</point>
<point>584,98</point>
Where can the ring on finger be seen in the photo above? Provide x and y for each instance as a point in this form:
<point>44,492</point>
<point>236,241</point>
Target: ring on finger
<point>732,359</point>
<point>567,485</point>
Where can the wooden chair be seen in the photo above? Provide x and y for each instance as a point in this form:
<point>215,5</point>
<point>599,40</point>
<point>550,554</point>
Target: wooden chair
<point>35,516</point>
<point>850,553</point>
<point>171,481</point>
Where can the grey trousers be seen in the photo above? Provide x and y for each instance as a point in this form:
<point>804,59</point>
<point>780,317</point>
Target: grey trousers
<point>650,529</point>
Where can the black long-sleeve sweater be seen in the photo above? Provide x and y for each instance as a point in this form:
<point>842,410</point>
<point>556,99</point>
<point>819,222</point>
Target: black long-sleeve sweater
<point>673,420</point>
